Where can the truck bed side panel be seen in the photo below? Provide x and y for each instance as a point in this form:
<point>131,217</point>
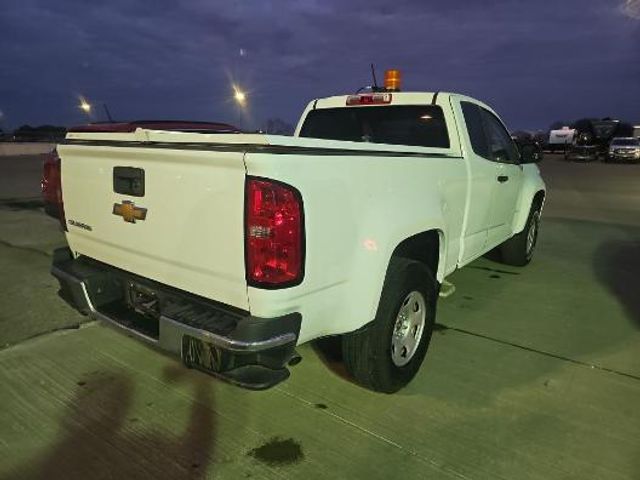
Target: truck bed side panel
<point>357,210</point>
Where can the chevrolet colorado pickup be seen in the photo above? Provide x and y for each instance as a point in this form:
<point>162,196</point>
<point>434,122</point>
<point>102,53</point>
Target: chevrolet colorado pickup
<point>230,249</point>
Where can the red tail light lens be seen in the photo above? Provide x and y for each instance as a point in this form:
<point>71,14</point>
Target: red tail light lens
<point>274,234</point>
<point>51,186</point>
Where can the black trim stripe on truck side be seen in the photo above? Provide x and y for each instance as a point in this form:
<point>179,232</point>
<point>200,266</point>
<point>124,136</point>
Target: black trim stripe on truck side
<point>252,148</point>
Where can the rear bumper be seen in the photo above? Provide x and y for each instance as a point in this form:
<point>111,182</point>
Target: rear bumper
<point>221,340</point>
<point>617,157</point>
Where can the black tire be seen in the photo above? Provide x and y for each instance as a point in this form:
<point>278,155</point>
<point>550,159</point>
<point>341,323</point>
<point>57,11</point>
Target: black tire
<point>367,353</point>
<point>516,251</point>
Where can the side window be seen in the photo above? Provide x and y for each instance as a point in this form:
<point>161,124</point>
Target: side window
<point>473,120</point>
<point>501,147</point>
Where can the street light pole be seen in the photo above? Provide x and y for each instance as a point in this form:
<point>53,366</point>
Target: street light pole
<point>106,110</point>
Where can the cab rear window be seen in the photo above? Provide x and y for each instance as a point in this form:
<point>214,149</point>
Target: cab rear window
<point>420,126</point>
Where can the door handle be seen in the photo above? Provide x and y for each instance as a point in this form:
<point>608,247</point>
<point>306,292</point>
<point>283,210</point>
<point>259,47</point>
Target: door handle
<point>503,178</point>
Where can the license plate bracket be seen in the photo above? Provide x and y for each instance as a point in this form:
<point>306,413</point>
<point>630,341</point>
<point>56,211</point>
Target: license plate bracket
<point>197,353</point>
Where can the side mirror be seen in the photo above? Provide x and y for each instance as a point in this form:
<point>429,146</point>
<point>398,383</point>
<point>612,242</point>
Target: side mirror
<point>530,153</point>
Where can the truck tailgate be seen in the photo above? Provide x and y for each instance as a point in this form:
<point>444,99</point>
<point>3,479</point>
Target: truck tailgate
<point>192,235</point>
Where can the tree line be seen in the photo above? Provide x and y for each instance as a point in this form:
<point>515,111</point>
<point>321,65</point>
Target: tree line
<point>42,133</point>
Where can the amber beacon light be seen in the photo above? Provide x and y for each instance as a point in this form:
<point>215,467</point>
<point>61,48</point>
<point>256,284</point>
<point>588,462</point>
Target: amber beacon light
<point>392,79</point>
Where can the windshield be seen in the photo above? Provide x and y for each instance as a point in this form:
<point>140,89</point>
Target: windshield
<point>626,142</point>
<point>422,126</point>
<point>604,129</point>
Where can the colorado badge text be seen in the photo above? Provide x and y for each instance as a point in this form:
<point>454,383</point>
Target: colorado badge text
<point>129,212</point>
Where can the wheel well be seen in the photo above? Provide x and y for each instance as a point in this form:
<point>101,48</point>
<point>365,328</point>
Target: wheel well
<point>538,198</point>
<point>423,247</point>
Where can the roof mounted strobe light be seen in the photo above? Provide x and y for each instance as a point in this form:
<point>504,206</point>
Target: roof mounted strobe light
<point>369,99</point>
<point>392,80</point>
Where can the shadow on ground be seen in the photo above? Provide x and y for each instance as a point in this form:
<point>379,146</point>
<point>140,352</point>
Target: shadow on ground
<point>329,351</point>
<point>617,265</point>
<point>101,438</point>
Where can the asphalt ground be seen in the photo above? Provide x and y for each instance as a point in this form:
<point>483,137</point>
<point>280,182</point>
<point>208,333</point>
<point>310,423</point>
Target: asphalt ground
<point>533,373</point>
<point>20,178</point>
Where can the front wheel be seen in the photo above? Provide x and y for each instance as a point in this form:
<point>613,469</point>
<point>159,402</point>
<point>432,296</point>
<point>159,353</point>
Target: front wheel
<point>386,354</point>
<point>518,250</point>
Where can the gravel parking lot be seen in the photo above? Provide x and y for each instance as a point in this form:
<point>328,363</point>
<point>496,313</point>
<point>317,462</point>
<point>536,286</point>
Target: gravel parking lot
<point>533,373</point>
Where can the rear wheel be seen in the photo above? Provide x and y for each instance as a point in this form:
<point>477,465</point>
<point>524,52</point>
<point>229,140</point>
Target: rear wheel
<point>387,353</point>
<point>518,250</point>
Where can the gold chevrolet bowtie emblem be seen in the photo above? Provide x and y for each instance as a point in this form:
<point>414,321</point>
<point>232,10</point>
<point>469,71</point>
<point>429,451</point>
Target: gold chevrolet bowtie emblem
<point>129,212</point>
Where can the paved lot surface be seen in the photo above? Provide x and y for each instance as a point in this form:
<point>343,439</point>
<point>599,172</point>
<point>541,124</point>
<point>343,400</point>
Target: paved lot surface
<point>533,373</point>
<point>20,177</point>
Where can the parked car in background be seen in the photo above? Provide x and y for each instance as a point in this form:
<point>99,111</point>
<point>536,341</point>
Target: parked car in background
<point>582,149</point>
<point>526,139</point>
<point>593,137</point>
<point>626,149</point>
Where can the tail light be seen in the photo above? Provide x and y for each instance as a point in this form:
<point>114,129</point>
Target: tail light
<point>51,186</point>
<point>274,234</point>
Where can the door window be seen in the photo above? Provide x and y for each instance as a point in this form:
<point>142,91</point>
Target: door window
<point>473,119</point>
<point>501,147</point>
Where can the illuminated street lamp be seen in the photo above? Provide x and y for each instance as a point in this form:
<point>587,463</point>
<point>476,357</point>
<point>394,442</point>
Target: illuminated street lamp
<point>239,96</point>
<point>241,100</point>
<point>85,106</point>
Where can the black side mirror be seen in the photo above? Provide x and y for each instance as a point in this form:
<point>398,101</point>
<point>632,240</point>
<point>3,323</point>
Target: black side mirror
<point>530,153</point>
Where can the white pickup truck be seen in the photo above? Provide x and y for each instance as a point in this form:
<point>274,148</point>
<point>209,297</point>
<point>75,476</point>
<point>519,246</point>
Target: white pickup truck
<point>230,249</point>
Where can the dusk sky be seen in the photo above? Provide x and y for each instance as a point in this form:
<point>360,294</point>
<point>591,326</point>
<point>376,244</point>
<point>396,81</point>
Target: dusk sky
<point>533,61</point>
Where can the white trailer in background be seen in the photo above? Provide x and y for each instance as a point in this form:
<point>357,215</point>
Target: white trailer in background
<point>636,131</point>
<point>559,139</point>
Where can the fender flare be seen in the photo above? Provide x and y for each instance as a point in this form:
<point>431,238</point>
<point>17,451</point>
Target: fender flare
<point>533,187</point>
<point>399,239</point>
